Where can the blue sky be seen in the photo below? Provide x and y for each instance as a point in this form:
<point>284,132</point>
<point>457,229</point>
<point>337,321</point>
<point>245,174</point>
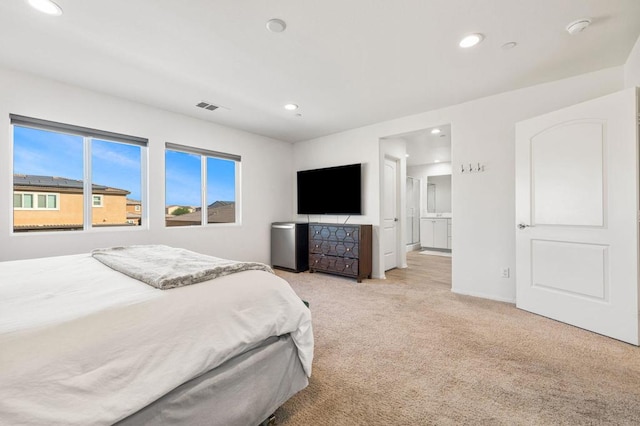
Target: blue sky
<point>183,179</point>
<point>41,152</point>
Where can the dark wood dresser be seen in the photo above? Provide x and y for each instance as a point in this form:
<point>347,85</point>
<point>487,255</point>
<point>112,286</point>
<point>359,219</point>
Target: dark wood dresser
<point>340,249</point>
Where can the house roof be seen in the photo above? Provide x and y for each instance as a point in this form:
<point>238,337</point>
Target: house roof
<point>60,226</point>
<point>59,184</point>
<point>217,212</point>
<point>346,63</point>
<point>221,204</point>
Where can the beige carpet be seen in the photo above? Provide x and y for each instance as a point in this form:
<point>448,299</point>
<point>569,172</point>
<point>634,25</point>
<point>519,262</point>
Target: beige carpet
<point>407,351</point>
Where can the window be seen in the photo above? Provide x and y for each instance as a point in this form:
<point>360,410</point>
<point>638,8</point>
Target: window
<point>57,165</point>
<point>201,186</point>
<point>23,200</point>
<point>137,208</point>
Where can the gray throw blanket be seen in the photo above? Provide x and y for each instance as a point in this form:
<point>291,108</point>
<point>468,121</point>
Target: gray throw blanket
<point>167,267</point>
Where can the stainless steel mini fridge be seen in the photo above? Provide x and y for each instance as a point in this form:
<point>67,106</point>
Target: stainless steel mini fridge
<point>290,246</point>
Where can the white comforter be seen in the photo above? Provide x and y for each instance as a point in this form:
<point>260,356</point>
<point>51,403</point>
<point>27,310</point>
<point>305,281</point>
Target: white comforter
<point>82,344</point>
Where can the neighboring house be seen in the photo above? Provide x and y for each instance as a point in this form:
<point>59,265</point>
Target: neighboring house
<point>49,202</point>
<point>217,212</point>
<point>134,212</point>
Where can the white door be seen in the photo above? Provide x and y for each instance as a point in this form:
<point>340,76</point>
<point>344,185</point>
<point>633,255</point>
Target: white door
<point>577,215</point>
<point>390,213</point>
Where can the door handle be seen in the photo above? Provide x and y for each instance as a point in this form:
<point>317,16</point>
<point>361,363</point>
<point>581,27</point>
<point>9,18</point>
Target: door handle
<point>395,219</point>
<point>522,226</point>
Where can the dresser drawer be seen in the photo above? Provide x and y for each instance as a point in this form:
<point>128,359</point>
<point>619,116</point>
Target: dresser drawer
<point>334,233</point>
<point>335,248</point>
<point>340,265</point>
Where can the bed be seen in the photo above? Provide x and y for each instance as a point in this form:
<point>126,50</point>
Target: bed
<point>83,344</point>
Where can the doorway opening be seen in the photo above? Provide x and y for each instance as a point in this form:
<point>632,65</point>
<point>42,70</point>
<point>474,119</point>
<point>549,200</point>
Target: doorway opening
<point>426,188</point>
<point>429,167</point>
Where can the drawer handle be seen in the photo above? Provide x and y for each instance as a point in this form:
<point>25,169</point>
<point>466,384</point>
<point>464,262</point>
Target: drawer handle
<point>316,246</point>
<point>348,234</point>
<point>348,249</point>
<point>348,266</point>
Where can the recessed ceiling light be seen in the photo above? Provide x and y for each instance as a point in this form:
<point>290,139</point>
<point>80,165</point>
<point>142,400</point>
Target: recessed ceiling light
<point>509,45</point>
<point>46,6</point>
<point>276,25</point>
<point>437,161</point>
<point>471,40</point>
<point>435,131</point>
<point>406,155</point>
<point>291,107</point>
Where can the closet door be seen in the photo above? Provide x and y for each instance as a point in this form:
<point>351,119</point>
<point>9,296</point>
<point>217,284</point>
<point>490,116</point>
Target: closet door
<point>577,215</point>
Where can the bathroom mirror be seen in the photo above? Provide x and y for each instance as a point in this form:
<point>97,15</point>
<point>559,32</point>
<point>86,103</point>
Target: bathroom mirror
<point>438,194</point>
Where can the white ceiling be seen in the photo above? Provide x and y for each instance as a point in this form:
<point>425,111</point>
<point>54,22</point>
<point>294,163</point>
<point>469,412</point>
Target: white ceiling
<point>346,63</point>
<point>424,147</point>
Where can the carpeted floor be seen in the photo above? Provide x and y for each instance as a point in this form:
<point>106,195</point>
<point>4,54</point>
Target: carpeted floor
<point>407,351</point>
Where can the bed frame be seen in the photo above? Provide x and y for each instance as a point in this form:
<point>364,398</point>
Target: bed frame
<point>243,391</point>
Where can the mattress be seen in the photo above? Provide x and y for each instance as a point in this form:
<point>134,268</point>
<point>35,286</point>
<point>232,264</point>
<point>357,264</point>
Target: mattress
<point>83,344</point>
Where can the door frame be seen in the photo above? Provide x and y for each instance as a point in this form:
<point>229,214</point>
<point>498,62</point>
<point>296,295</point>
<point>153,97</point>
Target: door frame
<point>401,259</point>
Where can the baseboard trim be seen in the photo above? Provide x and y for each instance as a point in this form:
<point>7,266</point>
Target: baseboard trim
<point>484,296</point>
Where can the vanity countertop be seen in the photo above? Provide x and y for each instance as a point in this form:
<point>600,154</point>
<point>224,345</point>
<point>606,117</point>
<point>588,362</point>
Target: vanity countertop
<point>437,216</point>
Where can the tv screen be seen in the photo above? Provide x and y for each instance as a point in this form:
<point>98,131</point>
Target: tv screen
<point>333,190</point>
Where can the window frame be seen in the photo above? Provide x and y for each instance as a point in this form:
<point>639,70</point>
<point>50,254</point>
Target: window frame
<point>204,154</point>
<point>88,135</point>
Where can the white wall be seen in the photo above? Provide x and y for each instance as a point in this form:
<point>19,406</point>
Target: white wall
<point>483,209</point>
<point>266,172</point>
<point>632,67</point>
<point>421,171</point>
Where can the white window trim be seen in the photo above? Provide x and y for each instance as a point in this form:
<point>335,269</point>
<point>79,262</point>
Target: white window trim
<point>35,201</point>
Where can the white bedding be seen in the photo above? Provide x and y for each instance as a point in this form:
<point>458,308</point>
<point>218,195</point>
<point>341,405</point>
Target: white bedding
<point>35,293</point>
<point>82,344</point>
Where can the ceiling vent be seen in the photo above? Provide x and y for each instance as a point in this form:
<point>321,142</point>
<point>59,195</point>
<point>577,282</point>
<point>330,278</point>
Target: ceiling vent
<point>208,106</point>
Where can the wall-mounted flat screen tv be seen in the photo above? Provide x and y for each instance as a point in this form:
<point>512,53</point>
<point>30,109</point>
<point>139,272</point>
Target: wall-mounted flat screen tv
<point>332,190</point>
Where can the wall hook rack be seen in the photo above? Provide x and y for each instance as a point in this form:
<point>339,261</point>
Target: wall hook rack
<point>478,167</point>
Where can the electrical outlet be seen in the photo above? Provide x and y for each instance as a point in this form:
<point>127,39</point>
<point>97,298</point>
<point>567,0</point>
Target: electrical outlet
<point>504,272</point>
